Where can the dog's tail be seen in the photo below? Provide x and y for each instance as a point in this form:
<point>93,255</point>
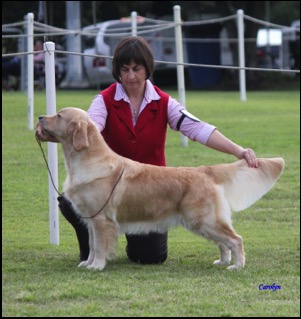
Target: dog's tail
<point>244,185</point>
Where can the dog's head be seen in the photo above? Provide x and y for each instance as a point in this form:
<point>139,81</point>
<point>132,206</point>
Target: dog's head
<point>70,125</point>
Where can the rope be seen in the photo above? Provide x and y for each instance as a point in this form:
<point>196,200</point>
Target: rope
<point>39,143</point>
<point>108,198</point>
<point>164,62</point>
<point>269,24</point>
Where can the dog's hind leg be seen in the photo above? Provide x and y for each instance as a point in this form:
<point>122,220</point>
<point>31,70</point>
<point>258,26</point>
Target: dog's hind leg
<point>228,242</point>
<point>225,255</point>
<point>238,253</point>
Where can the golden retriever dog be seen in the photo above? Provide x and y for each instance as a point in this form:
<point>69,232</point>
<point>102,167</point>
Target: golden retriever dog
<point>116,195</point>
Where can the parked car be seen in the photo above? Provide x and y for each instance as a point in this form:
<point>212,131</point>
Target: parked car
<point>278,48</point>
<point>268,43</point>
<point>109,33</point>
<point>293,38</point>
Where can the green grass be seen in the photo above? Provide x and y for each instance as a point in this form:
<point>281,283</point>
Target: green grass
<point>40,279</point>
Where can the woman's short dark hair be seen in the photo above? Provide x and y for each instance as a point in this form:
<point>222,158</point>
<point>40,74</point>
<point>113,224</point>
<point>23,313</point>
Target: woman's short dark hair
<point>132,49</point>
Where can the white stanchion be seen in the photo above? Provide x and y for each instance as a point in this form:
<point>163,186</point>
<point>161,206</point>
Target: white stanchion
<point>30,75</point>
<point>134,23</point>
<point>241,55</point>
<point>180,60</point>
<point>49,48</point>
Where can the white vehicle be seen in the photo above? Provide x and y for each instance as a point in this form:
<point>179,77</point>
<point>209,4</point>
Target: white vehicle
<point>98,69</point>
<point>274,46</point>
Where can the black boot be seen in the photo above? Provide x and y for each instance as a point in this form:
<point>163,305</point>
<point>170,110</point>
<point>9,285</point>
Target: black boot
<point>147,249</point>
<point>80,228</point>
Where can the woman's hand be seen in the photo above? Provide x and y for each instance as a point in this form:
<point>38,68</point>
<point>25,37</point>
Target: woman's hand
<point>221,143</point>
<point>249,155</point>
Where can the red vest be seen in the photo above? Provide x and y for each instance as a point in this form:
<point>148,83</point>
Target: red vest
<point>145,142</point>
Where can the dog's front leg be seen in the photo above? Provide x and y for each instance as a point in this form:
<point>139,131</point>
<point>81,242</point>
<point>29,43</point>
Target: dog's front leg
<point>97,257</point>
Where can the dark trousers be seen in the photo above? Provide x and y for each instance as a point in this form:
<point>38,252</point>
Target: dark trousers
<point>79,227</point>
<point>143,249</point>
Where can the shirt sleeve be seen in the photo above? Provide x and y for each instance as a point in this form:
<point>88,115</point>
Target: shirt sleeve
<point>196,130</point>
<point>98,112</point>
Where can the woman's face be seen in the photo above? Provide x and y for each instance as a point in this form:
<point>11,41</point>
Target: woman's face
<point>133,75</point>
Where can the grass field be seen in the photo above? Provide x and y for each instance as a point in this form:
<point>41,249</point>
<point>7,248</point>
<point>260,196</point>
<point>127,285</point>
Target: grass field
<point>40,279</point>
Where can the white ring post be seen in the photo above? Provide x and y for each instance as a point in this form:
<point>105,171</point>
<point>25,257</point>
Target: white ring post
<point>241,55</point>
<point>30,79</point>
<point>180,60</point>
<point>134,23</point>
<point>49,48</point>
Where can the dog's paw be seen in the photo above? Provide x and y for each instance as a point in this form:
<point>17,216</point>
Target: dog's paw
<point>234,267</point>
<point>97,265</point>
<point>221,263</point>
<point>84,263</point>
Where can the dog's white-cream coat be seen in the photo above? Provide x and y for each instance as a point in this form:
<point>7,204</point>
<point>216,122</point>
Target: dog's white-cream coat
<point>115,195</point>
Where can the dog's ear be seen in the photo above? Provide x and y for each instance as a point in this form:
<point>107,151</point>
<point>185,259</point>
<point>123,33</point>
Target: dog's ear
<point>79,133</point>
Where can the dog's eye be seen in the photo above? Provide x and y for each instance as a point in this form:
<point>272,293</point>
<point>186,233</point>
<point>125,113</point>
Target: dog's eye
<point>58,115</point>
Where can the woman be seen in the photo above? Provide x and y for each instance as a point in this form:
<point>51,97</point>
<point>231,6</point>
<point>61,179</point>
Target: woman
<point>132,115</point>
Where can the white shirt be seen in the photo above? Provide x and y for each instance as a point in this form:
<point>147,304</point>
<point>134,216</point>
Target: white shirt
<point>194,130</point>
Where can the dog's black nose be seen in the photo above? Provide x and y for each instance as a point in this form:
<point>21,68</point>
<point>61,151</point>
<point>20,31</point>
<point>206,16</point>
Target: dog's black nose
<point>41,117</point>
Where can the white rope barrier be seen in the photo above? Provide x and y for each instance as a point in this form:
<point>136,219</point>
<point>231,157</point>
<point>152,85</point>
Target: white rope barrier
<point>200,65</point>
<point>15,24</point>
<point>180,59</point>
<point>30,74</point>
<point>134,23</point>
<point>268,24</point>
<point>211,21</point>
<point>241,55</point>
<point>140,28</point>
<point>49,48</point>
